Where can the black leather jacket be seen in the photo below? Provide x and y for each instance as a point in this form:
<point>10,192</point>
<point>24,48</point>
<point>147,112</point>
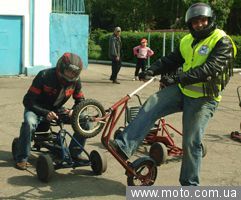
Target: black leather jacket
<point>47,93</point>
<point>219,62</point>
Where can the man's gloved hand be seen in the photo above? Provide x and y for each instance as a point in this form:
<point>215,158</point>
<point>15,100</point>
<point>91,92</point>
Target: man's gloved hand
<point>168,80</point>
<point>145,75</point>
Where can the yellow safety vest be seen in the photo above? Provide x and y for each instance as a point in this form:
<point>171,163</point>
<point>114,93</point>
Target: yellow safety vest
<point>200,53</point>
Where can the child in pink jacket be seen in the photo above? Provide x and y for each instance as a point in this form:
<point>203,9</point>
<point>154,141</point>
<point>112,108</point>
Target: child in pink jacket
<point>142,52</point>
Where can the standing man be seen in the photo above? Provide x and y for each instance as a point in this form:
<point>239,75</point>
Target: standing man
<point>206,55</point>
<point>115,54</point>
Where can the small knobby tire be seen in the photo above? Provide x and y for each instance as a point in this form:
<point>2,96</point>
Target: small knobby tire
<point>83,122</point>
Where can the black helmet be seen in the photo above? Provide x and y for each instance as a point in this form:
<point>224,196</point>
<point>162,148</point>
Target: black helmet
<point>200,10</point>
<point>69,62</point>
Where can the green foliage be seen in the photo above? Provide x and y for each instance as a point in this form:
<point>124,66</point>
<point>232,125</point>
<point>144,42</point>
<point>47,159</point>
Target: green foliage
<point>94,50</point>
<point>132,39</point>
<point>136,15</point>
<point>155,41</point>
<point>237,41</point>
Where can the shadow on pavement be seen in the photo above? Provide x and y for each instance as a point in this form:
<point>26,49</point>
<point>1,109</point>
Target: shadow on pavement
<point>77,183</point>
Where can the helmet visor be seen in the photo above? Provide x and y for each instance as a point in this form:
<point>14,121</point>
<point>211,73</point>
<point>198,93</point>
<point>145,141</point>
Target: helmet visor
<point>71,73</point>
<point>198,10</point>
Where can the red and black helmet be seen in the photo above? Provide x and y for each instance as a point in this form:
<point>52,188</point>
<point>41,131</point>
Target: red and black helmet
<point>70,63</point>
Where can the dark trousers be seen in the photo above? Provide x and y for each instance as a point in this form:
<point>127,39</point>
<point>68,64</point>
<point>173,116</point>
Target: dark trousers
<point>115,67</point>
<point>141,64</point>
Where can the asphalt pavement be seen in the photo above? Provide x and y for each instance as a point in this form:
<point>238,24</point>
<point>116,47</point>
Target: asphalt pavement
<point>220,167</point>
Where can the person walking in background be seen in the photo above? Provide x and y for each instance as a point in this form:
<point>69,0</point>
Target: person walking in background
<point>142,52</point>
<point>115,54</point>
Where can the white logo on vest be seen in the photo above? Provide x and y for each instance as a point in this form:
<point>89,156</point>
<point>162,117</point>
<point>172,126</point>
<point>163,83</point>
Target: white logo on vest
<point>203,50</point>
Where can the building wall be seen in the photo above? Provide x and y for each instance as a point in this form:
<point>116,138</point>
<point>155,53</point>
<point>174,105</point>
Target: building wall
<point>42,10</point>
<point>19,8</point>
<point>35,39</point>
<point>69,33</point>
<point>43,43</point>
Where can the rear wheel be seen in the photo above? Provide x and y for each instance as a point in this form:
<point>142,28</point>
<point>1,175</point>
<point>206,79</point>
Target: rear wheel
<point>158,152</point>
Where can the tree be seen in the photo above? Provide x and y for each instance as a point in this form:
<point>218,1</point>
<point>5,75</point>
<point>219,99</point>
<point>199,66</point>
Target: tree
<point>140,15</point>
<point>234,21</point>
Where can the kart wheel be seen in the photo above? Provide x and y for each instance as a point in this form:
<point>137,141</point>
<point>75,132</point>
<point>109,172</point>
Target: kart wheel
<point>236,136</point>
<point>204,149</point>
<point>158,152</point>
<point>44,167</point>
<point>15,147</point>
<point>98,162</point>
<point>84,115</point>
<point>146,172</point>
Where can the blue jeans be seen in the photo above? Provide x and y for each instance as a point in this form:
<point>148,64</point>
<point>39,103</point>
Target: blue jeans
<point>29,126</point>
<point>196,114</point>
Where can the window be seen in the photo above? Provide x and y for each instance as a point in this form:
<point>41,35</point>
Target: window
<point>68,6</point>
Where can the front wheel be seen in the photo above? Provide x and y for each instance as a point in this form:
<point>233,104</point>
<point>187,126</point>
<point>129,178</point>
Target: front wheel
<point>15,147</point>
<point>98,162</point>
<point>44,167</point>
<point>146,172</point>
<point>84,118</point>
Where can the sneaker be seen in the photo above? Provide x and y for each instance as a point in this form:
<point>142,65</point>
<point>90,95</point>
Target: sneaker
<point>118,150</point>
<point>116,82</point>
<point>135,78</point>
<point>22,165</point>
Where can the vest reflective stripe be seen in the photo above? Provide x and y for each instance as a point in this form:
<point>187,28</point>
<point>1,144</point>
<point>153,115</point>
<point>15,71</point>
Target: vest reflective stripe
<point>194,88</point>
<point>200,53</point>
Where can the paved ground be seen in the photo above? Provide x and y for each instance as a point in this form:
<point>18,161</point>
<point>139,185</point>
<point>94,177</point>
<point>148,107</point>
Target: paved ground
<point>221,166</point>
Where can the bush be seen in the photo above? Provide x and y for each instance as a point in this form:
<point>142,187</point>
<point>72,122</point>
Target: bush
<point>94,50</point>
<point>156,42</point>
<point>132,39</point>
<point>237,41</point>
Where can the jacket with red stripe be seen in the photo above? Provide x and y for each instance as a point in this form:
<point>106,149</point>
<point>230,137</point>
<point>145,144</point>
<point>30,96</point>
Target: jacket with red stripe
<point>46,90</point>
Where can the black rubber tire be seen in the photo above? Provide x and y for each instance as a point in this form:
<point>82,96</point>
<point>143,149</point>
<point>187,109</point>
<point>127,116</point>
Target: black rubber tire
<point>204,149</point>
<point>15,147</point>
<point>80,110</point>
<point>158,152</point>
<point>146,167</point>
<point>44,168</point>
<point>98,162</point>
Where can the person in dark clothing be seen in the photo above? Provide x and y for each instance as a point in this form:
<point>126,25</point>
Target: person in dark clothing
<point>115,54</point>
<point>206,57</point>
<point>49,91</point>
